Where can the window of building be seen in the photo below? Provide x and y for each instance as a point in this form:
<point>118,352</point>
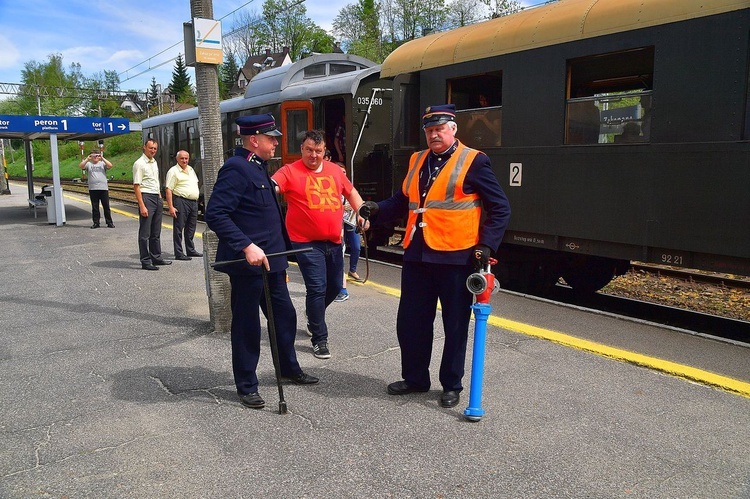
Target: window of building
<point>609,98</point>
<point>479,109</point>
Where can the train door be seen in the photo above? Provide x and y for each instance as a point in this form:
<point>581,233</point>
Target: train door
<point>336,124</point>
<point>296,119</point>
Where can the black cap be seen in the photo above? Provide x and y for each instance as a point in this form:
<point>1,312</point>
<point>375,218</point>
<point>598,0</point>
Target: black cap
<point>437,115</point>
<point>255,124</point>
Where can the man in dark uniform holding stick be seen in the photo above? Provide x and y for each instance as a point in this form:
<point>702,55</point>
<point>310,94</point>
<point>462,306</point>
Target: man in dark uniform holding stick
<point>458,214</point>
<point>246,217</point>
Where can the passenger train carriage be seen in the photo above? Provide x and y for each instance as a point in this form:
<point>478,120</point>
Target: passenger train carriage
<point>618,128</point>
<point>624,128</point>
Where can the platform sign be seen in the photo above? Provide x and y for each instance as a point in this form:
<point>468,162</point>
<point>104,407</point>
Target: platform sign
<point>208,49</point>
<point>63,125</point>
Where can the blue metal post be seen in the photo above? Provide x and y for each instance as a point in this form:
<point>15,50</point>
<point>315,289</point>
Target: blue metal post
<point>481,312</point>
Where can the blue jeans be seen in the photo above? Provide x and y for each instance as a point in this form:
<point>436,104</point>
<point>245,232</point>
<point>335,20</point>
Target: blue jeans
<point>321,269</point>
<point>352,241</point>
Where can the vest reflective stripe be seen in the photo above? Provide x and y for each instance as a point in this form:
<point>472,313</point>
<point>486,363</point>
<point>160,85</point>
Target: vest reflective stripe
<point>450,217</point>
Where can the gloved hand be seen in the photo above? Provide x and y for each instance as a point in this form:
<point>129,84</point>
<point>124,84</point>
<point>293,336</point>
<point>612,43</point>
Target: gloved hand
<point>368,209</point>
<point>482,255</point>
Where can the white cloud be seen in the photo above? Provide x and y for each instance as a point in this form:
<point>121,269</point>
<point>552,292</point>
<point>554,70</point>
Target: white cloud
<point>9,55</point>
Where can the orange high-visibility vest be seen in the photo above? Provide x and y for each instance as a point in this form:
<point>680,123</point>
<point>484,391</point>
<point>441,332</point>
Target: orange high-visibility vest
<point>450,217</point>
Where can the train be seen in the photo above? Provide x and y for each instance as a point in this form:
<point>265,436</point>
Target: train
<point>619,129</point>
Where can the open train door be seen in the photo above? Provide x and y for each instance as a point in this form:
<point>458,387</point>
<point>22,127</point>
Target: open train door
<point>296,119</point>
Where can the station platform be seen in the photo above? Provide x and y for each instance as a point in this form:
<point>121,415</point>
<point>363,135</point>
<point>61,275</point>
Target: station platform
<point>114,385</point>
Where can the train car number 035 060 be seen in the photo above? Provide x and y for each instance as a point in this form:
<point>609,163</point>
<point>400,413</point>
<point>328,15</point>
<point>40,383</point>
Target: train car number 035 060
<point>365,101</point>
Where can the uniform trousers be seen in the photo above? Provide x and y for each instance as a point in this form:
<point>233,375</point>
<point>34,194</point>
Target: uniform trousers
<point>102,196</point>
<point>149,229</point>
<point>247,296</point>
<point>186,221</point>
<point>422,284</point>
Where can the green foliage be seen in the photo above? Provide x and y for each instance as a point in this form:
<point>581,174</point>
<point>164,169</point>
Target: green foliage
<point>180,86</point>
<point>121,150</point>
<point>227,74</point>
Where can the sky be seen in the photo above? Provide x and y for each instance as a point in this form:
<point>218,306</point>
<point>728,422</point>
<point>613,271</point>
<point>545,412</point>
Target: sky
<point>127,36</point>
<point>137,38</point>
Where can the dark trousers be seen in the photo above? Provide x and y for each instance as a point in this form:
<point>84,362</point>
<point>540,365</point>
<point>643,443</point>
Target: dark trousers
<point>247,296</point>
<point>322,269</point>
<point>186,221</point>
<point>422,284</point>
<point>149,229</point>
<point>97,197</point>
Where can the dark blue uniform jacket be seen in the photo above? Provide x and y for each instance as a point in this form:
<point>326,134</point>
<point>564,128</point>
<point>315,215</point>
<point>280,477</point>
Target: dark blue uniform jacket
<point>243,209</point>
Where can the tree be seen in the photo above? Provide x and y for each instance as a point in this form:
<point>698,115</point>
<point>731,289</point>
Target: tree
<point>247,36</point>
<point>180,87</point>
<point>153,95</point>
<point>227,74</point>
<point>287,24</point>
<point>36,75</point>
<point>499,8</point>
<point>465,12</point>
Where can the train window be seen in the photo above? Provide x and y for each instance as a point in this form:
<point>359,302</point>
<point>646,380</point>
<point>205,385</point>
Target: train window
<point>337,69</point>
<point>296,126</point>
<point>315,71</point>
<point>609,98</point>
<point>479,111</point>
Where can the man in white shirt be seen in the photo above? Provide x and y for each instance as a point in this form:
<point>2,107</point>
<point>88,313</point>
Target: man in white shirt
<point>182,199</point>
<point>150,207</point>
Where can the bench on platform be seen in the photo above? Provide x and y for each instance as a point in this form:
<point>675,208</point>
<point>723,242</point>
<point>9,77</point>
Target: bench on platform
<point>37,202</point>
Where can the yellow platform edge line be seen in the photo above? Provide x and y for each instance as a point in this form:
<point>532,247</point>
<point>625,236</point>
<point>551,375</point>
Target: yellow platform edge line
<point>700,376</point>
<point>725,383</point>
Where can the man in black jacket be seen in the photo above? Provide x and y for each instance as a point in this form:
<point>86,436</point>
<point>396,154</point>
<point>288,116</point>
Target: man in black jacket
<point>246,217</point>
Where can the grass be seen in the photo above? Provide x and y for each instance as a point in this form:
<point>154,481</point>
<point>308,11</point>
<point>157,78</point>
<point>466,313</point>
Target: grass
<point>121,151</point>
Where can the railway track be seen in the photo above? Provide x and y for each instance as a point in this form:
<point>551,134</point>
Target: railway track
<point>678,316</point>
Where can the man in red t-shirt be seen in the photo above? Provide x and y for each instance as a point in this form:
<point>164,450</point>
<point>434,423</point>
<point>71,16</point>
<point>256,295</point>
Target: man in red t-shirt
<point>313,188</point>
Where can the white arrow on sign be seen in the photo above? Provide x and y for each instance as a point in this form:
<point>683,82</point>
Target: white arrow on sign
<point>121,127</point>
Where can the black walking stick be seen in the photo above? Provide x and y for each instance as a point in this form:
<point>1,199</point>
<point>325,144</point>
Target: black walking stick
<point>271,322</point>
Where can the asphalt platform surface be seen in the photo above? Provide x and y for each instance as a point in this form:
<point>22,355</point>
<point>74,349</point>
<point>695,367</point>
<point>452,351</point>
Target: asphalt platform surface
<point>114,385</point>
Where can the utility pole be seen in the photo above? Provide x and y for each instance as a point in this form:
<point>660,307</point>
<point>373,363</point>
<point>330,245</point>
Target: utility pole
<point>209,122</point>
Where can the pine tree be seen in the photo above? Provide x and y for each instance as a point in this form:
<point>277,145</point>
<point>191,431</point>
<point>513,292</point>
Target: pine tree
<point>227,75</point>
<point>153,94</point>
<point>180,86</point>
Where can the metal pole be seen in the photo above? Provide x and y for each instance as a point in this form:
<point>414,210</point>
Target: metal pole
<point>474,411</point>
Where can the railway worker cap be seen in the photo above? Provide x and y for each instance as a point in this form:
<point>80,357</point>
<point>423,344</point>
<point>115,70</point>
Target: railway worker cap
<point>437,115</point>
<point>255,124</point>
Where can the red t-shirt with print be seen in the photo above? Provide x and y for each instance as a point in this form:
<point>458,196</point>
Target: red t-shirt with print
<point>314,206</point>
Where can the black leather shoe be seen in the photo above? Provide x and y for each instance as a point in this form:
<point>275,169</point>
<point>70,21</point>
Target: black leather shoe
<point>162,262</point>
<point>197,255</point>
<point>95,226</point>
<point>148,266</point>
<point>402,388</point>
<point>303,379</point>
<point>183,258</point>
<point>252,400</point>
<point>111,225</point>
<point>449,398</point>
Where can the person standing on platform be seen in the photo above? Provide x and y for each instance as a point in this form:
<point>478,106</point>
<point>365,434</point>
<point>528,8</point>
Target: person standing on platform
<point>313,188</point>
<point>95,167</point>
<point>457,215</point>
<point>150,207</point>
<point>182,200</point>
<point>245,215</point>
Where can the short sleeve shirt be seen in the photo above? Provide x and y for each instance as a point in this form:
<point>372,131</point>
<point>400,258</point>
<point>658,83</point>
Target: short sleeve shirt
<point>314,207</point>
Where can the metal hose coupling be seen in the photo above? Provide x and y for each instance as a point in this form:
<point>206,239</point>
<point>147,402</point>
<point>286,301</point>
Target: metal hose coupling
<point>482,284</point>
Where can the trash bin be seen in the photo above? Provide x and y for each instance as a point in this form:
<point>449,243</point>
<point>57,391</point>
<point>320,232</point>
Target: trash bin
<point>49,192</point>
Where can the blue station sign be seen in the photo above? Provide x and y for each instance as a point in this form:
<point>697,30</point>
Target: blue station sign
<point>13,124</point>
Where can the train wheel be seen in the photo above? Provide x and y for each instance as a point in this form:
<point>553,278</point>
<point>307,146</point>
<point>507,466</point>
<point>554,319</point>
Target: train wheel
<point>588,275</point>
